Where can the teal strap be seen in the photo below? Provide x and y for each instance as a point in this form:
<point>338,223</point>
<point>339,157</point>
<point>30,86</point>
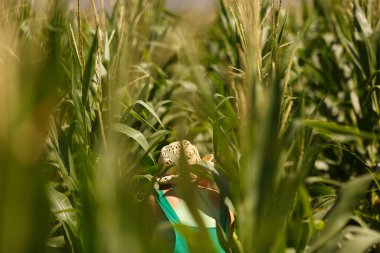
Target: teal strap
<point>180,243</point>
<point>223,217</point>
<point>167,208</point>
<point>214,237</point>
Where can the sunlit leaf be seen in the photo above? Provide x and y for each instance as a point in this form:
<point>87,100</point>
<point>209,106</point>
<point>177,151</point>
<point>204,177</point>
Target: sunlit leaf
<point>134,134</point>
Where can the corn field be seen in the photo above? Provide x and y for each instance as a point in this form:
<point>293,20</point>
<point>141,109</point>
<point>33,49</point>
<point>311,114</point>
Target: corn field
<point>285,94</point>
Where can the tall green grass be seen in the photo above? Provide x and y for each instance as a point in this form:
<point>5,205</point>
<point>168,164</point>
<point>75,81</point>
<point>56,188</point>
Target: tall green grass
<point>287,102</point>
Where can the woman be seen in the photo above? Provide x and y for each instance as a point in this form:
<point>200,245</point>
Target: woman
<point>205,199</point>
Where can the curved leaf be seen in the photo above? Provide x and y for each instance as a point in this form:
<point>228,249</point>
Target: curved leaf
<point>337,129</point>
<point>61,207</point>
<point>89,69</point>
<point>353,239</point>
<point>134,134</point>
<point>359,240</point>
<point>342,211</point>
<point>151,110</point>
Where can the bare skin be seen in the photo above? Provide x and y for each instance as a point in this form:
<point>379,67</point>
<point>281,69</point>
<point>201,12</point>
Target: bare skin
<point>164,233</point>
<point>174,199</point>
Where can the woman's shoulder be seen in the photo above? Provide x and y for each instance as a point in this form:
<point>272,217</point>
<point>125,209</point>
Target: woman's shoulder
<point>173,197</point>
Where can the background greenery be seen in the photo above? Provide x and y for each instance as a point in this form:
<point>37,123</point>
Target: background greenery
<point>286,97</point>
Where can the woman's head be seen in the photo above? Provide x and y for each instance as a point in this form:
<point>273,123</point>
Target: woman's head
<point>171,153</point>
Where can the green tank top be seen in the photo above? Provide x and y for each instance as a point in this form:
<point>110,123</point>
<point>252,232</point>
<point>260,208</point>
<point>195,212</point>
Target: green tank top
<point>180,241</point>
